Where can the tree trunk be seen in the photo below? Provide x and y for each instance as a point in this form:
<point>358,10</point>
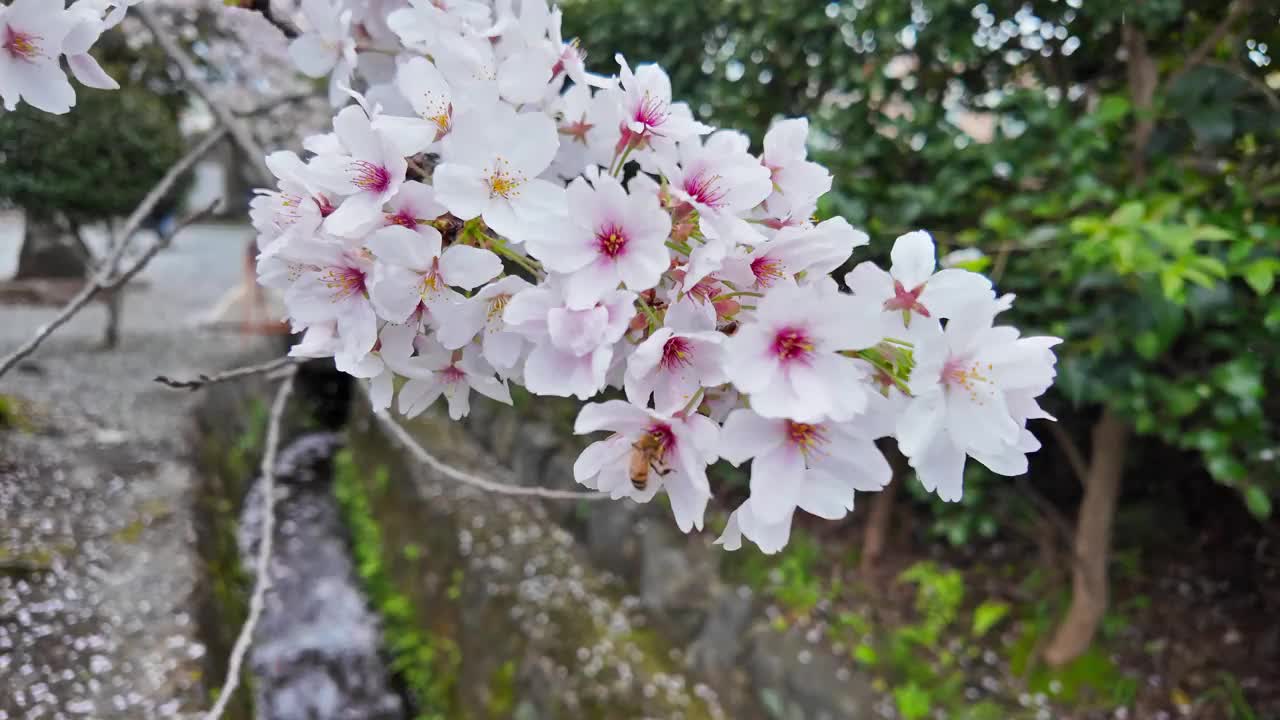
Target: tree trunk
<point>111,329</point>
<point>1092,543</point>
<point>49,252</point>
<point>875,536</point>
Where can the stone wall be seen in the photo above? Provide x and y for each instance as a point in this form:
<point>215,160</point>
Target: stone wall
<point>522,624</point>
<point>717,631</point>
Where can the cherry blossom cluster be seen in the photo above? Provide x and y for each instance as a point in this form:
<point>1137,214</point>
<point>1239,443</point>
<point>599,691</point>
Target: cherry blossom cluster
<point>36,34</point>
<point>489,212</point>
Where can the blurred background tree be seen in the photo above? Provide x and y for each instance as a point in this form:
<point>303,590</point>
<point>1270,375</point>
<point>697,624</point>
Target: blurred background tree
<point>95,164</point>
<point>1117,166</point>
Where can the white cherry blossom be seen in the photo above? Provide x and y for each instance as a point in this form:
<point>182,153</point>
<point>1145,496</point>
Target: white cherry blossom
<point>451,373</point>
<point>789,361</point>
<point>677,360</point>
<point>412,269</point>
<point>676,454</point>
<point>973,388</point>
<point>368,172</point>
<point>912,288</point>
<point>482,314</point>
<point>31,38</point>
<point>572,349</point>
<point>609,238</point>
<point>491,168</point>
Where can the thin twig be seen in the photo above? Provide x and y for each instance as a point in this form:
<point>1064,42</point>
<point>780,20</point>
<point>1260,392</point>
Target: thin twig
<point>1210,43</point>
<point>240,132</point>
<point>234,374</point>
<point>103,279</point>
<point>162,243</point>
<point>272,105</point>
<point>1254,82</point>
<point>262,563</point>
<point>466,478</point>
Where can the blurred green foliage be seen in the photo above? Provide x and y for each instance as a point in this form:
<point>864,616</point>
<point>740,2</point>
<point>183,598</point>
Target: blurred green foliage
<point>1009,127</point>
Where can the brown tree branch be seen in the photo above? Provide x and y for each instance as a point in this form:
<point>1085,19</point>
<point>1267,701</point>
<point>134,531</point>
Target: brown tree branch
<point>1198,55</point>
<point>228,375</point>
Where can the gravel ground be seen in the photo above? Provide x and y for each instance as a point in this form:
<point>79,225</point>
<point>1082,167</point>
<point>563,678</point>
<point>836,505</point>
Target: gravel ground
<point>97,546</point>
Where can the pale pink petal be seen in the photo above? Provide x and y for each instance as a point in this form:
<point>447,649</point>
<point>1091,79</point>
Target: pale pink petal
<point>775,481</point>
<point>461,189</point>
<point>746,435</point>
<point>90,73</point>
<point>914,259</point>
<point>617,415</point>
<point>469,267</point>
<point>401,246</point>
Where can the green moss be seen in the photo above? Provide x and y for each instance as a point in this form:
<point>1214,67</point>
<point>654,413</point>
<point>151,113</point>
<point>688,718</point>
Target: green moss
<point>229,463</point>
<point>427,663</point>
<point>13,415</point>
<point>131,533</point>
<point>502,690</point>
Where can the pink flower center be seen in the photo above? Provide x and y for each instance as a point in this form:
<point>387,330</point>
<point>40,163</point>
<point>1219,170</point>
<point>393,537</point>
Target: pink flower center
<point>964,375</point>
<point>651,112</point>
<point>806,437</point>
<point>326,207</point>
<point>571,55</point>
<point>346,282</point>
<point>21,45</point>
<point>767,270</point>
<point>611,241</point>
<point>666,439</point>
<point>577,129</point>
<point>793,344</point>
<point>706,289</point>
<point>705,189</point>
<point>906,300</point>
<point>676,353</point>
<point>370,177</point>
<point>453,374</point>
<point>404,218</point>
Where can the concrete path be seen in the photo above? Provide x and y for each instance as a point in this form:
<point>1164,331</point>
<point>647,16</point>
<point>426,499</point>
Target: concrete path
<point>98,566</point>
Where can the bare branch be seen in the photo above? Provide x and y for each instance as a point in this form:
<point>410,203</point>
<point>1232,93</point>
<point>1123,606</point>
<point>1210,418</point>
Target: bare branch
<point>235,374</point>
<point>105,278</point>
<point>272,105</point>
<point>1256,83</point>
<point>466,478</point>
<point>262,563</point>
<point>1216,36</point>
<point>240,132</point>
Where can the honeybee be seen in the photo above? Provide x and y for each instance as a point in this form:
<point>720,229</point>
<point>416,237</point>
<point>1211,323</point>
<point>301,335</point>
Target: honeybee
<point>646,455</point>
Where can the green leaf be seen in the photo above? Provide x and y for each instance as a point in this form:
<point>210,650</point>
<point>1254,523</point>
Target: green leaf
<point>1130,213</point>
<point>1147,344</point>
<point>866,655</point>
<point>1111,109</point>
<point>987,615</point>
<point>1258,502</point>
<point>913,701</point>
<point>1261,275</point>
